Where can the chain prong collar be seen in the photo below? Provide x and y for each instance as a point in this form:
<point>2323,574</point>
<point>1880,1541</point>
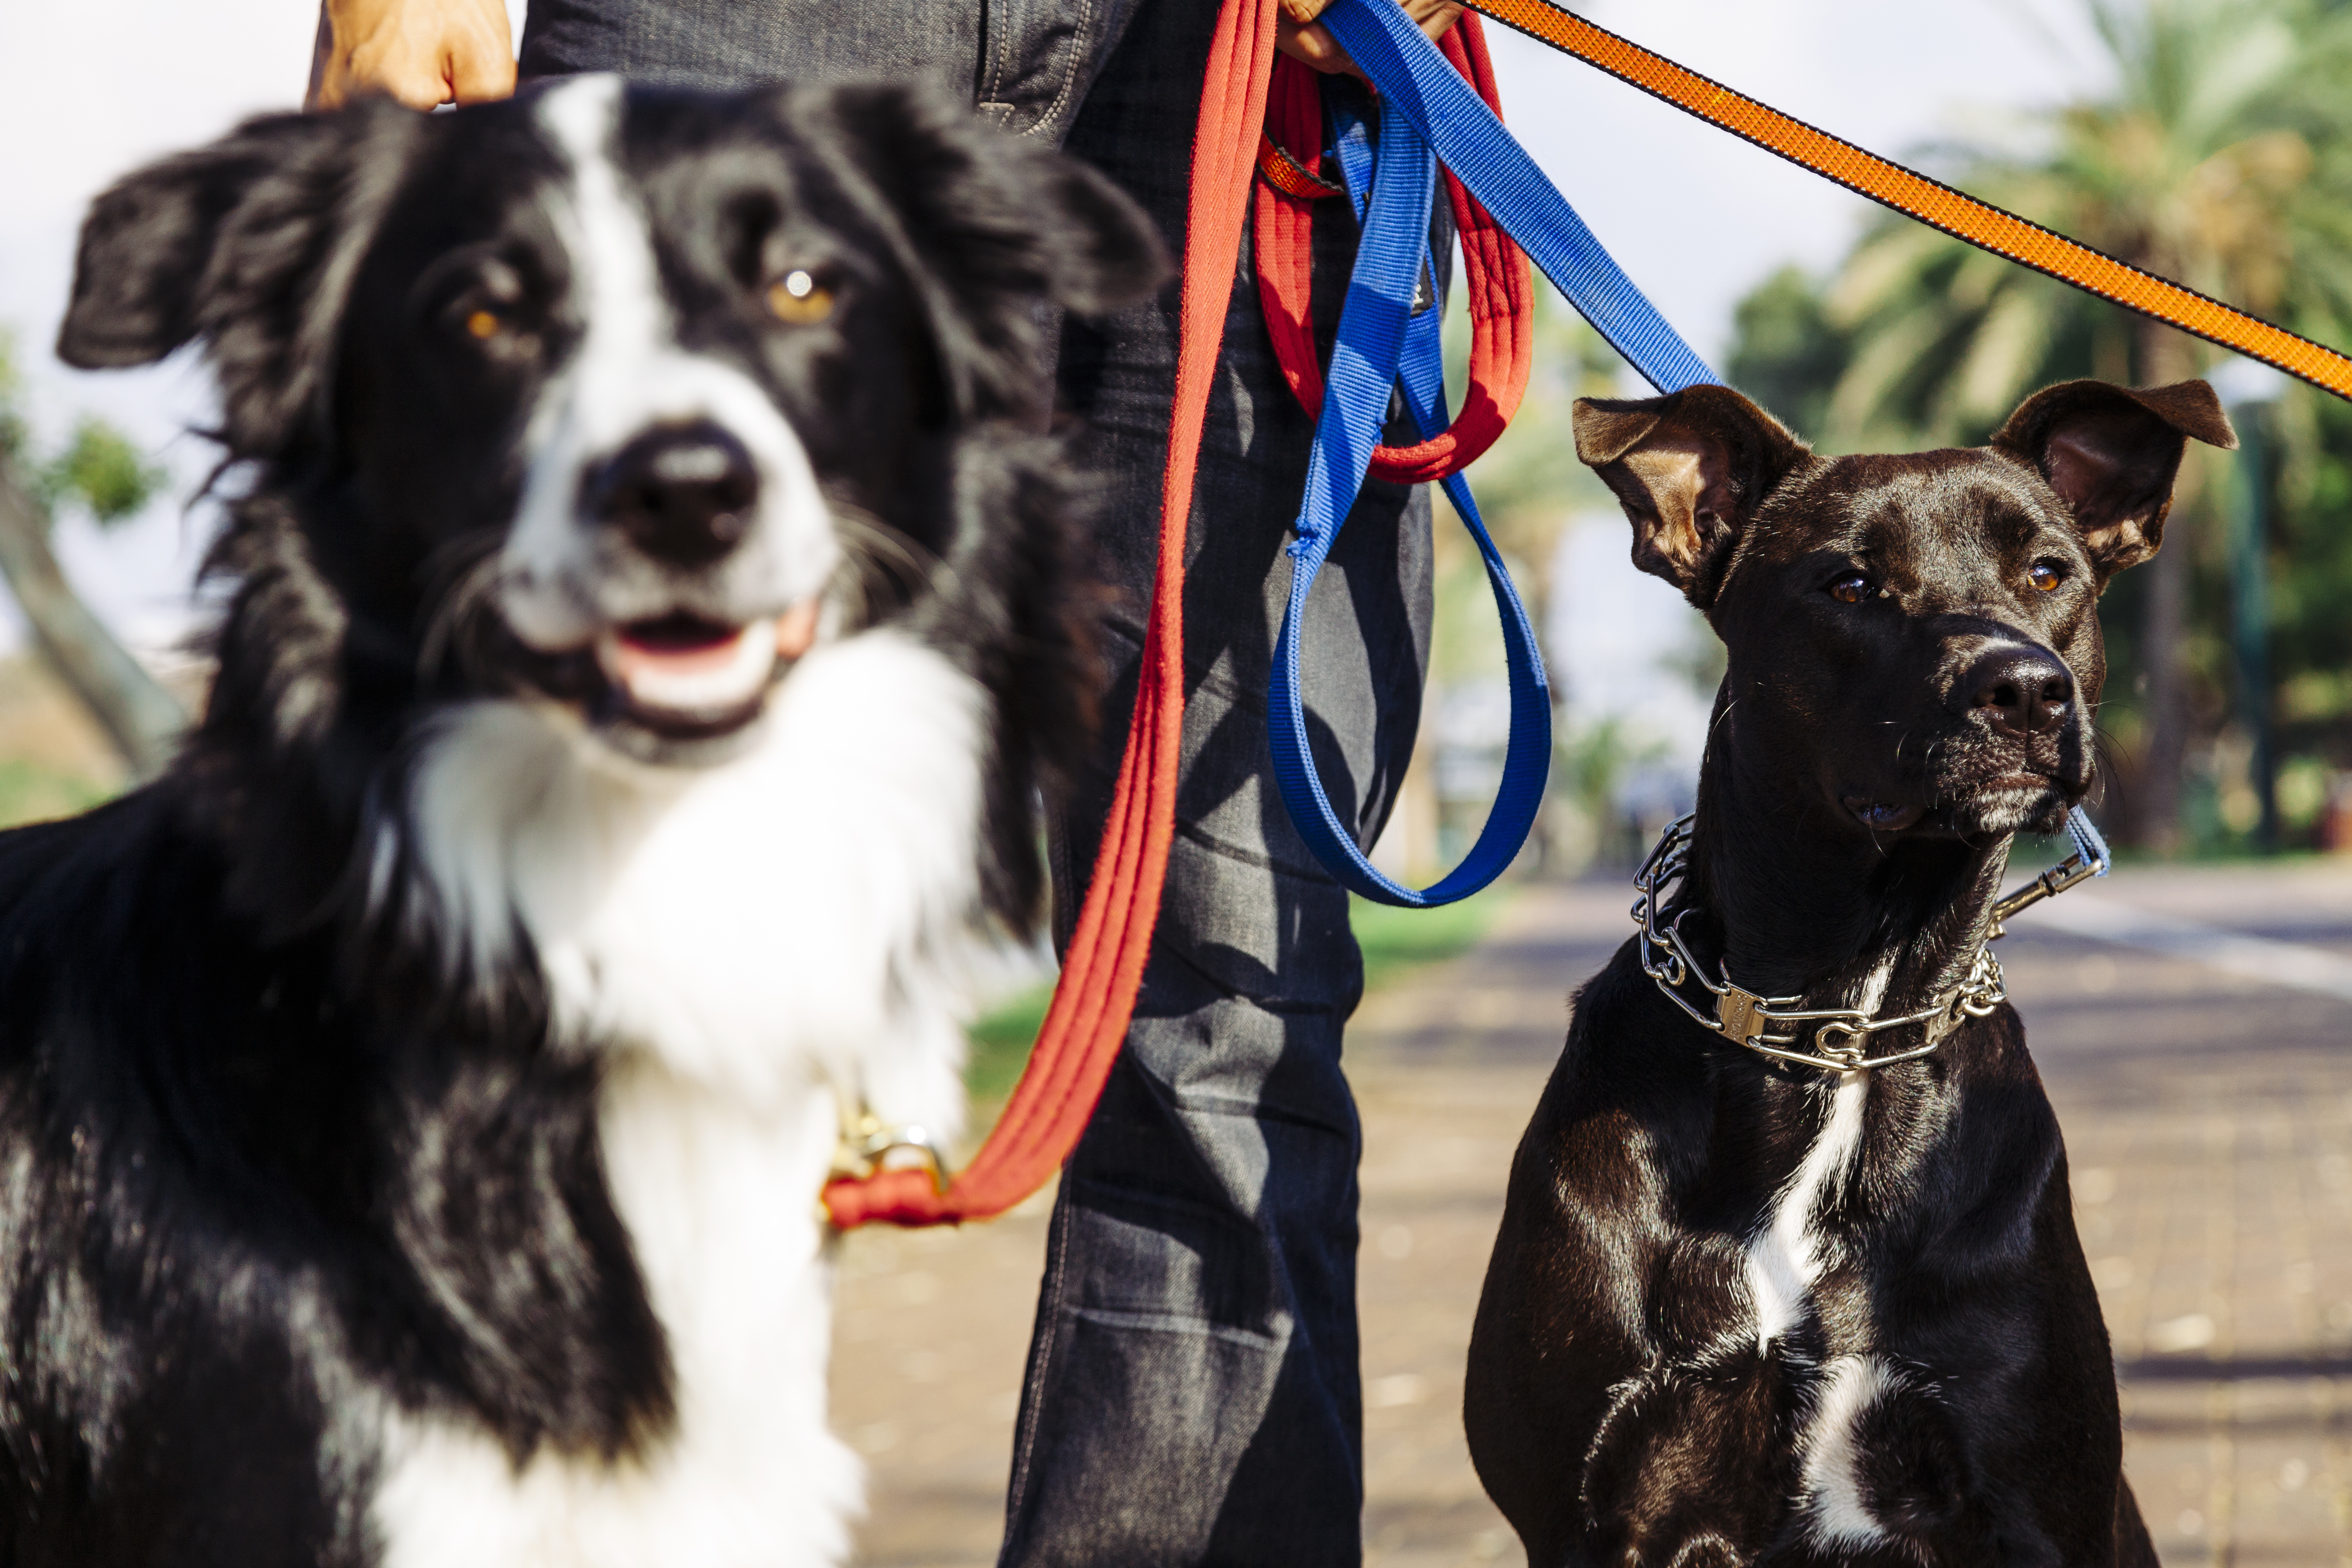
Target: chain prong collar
<point>1840,1035</point>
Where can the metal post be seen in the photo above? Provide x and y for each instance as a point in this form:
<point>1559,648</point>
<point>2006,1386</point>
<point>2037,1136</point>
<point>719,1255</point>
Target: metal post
<point>2251,606</point>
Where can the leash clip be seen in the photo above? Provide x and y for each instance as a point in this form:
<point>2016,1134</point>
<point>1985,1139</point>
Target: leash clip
<point>866,1142</point>
<point>2091,859</point>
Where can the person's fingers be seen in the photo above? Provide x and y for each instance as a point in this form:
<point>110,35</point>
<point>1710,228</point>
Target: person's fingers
<point>356,73</point>
<point>483,78</point>
<point>482,62</point>
<point>422,53</point>
<point>1436,17</point>
<point>1313,45</point>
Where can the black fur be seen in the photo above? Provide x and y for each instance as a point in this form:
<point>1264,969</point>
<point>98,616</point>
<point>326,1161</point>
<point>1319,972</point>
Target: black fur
<point>270,1167</point>
<point>1865,771</point>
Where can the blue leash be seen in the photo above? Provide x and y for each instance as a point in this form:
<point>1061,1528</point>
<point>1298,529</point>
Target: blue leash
<point>1415,82</point>
<point>1429,112</point>
<point>1382,344</point>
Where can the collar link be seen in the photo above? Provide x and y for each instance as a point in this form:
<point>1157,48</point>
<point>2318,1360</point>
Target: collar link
<point>1840,1038</point>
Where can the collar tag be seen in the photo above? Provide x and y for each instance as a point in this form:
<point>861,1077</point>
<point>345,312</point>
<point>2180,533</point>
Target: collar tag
<point>1738,1014</point>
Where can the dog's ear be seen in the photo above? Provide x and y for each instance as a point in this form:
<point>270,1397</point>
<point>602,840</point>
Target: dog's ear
<point>1690,468</point>
<point>2112,453</point>
<point>249,244</point>
<point>997,224</point>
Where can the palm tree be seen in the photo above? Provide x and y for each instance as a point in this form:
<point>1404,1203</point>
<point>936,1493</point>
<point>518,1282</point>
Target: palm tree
<point>2218,159</point>
<point>1530,481</point>
<point>1526,487</point>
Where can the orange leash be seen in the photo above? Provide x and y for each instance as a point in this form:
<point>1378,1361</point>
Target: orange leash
<point>1956,212</point>
<point>1103,969</point>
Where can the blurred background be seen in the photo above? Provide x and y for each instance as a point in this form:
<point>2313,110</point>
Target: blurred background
<point>2190,1020</point>
<point>2202,139</point>
<point>2205,142</point>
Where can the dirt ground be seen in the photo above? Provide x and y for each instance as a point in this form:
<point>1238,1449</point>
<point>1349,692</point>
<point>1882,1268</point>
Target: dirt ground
<point>2209,1118</point>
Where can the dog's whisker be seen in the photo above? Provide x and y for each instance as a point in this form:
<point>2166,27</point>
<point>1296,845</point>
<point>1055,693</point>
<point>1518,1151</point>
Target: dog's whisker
<point>881,565</point>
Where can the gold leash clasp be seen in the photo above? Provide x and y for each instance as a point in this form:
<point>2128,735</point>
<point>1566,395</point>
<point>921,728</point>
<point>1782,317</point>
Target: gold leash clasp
<point>866,1143</point>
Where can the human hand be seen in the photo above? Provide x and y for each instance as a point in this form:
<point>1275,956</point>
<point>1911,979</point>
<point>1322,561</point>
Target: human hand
<point>424,53</point>
<point>1297,35</point>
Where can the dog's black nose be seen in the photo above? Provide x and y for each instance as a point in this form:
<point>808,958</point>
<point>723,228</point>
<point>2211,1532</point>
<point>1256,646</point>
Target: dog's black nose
<point>2022,691</point>
<point>681,493</point>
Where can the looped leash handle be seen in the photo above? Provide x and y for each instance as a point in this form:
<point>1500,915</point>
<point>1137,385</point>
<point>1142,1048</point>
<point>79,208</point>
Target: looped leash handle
<point>1414,81</point>
<point>1381,335</point>
<point>1495,272</point>
<point>1381,344</point>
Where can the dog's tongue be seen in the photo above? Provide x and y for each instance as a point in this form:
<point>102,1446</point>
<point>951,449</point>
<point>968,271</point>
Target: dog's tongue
<point>683,665</point>
<point>796,629</point>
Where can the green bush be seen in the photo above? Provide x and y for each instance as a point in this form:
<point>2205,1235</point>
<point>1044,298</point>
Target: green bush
<point>32,792</point>
<point>1394,941</point>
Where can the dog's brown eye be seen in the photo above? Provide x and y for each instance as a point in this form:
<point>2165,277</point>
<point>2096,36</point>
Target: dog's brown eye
<point>2045,576</point>
<point>799,299</point>
<point>1851,589</point>
<point>485,324</point>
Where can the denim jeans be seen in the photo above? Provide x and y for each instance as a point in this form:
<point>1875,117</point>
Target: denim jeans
<point>1024,65</point>
<point>1192,1392</point>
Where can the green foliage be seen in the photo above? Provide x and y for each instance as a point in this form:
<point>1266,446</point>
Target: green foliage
<point>1529,481</point>
<point>1530,475</point>
<point>2219,159</point>
<point>103,471</point>
<point>1395,941</point>
<point>99,469</point>
<point>1001,1042</point>
<point>13,434</point>
<point>1786,352</point>
<point>34,791</point>
<point>1593,764</point>
<point>2222,157</point>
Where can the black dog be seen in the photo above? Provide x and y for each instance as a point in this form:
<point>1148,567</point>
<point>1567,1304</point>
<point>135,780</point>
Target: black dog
<point>653,606</point>
<point>1742,1310</point>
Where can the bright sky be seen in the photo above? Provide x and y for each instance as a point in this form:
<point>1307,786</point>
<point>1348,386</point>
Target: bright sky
<point>1694,216</point>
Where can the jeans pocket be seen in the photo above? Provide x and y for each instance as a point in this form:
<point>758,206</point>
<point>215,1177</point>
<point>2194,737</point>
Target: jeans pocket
<point>1038,57</point>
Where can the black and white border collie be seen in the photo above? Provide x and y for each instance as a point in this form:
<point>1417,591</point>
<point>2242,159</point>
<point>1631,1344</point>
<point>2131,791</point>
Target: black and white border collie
<point>653,608</point>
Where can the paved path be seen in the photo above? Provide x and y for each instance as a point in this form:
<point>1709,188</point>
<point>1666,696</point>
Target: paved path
<point>2209,1117</point>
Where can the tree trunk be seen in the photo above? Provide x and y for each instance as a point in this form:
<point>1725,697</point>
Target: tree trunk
<point>2166,357</point>
<point>143,720</point>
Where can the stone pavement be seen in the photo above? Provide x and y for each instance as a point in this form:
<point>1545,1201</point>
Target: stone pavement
<point>2208,1126</point>
<point>2208,1119</point>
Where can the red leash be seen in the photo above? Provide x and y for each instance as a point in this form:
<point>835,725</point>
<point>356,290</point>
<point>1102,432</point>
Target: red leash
<point>1103,968</point>
<point>1495,272</point>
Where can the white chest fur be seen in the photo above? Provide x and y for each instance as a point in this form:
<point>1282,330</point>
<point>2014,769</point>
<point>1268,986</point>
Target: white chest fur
<point>1785,1257</point>
<point>740,942</point>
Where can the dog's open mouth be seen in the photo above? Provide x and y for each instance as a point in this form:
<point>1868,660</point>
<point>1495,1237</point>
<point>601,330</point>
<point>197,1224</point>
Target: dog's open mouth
<point>686,676</point>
